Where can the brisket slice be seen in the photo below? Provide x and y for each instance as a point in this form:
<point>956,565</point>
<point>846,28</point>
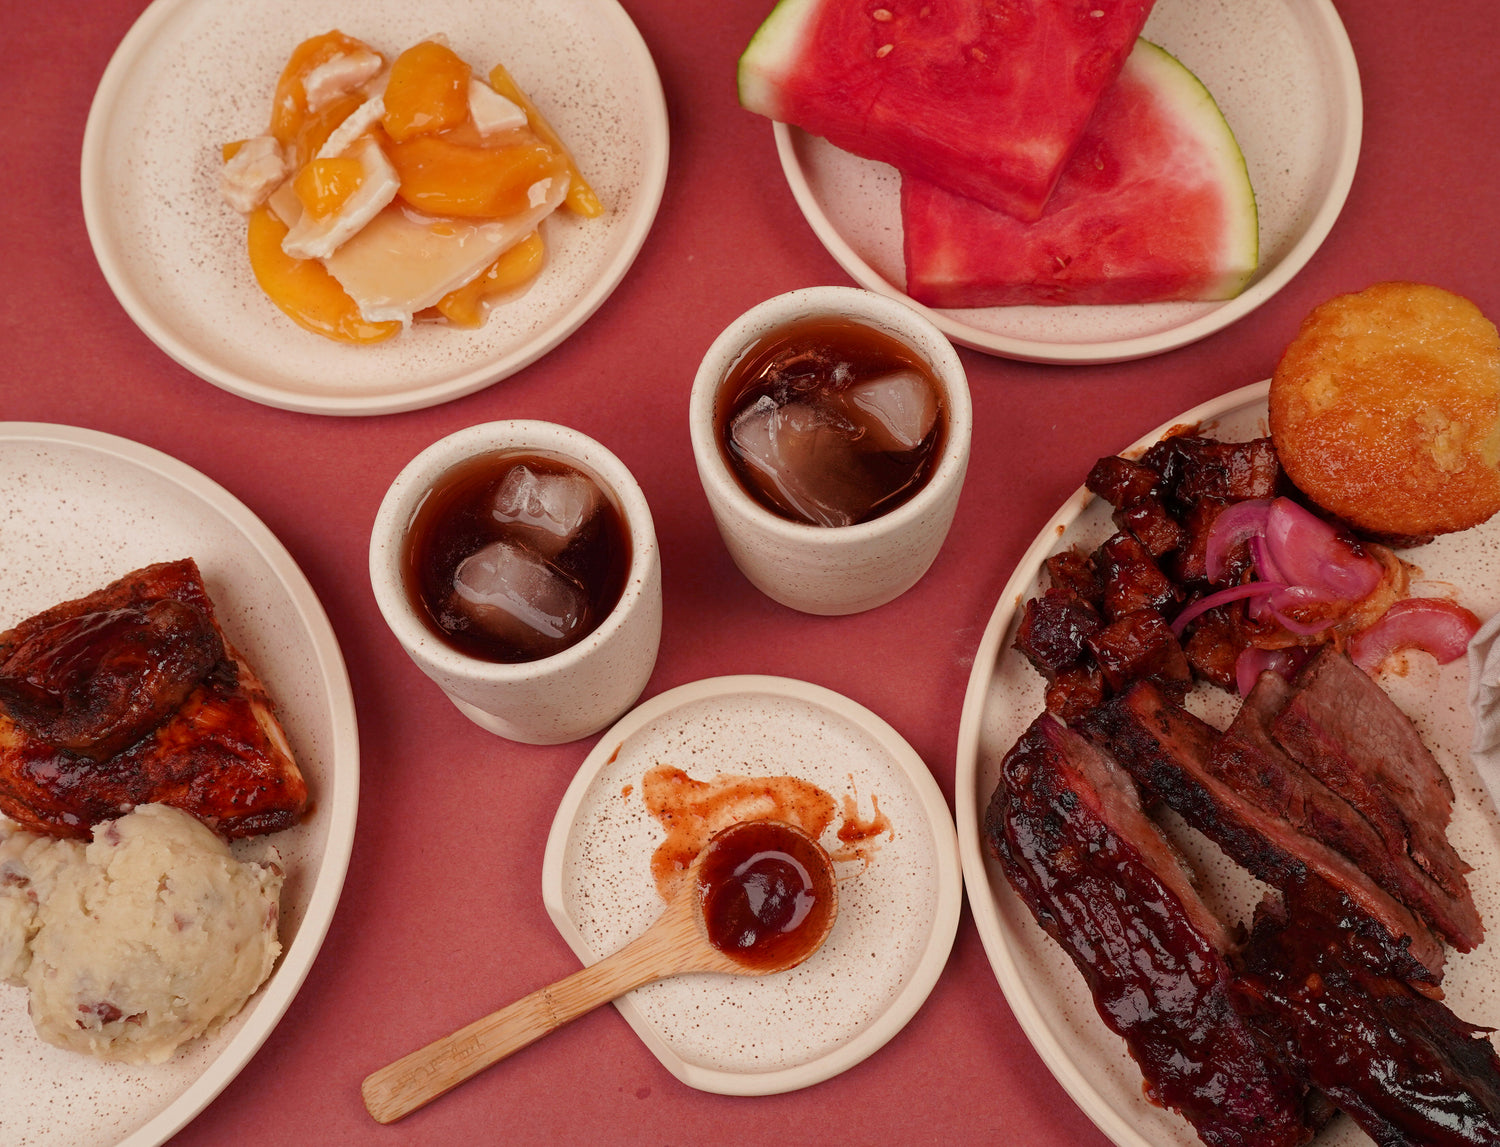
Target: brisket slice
<point>1248,759</point>
<point>1334,1005</point>
<point>1066,825</point>
<point>1344,728</point>
<point>1167,749</point>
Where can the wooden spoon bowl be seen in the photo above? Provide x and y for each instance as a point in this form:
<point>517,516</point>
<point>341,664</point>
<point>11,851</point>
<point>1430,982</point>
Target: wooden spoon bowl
<point>761,897</point>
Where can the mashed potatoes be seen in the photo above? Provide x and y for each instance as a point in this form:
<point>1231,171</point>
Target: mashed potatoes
<point>150,936</point>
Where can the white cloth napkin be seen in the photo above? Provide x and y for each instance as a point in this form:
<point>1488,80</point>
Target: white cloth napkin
<point>1484,704</point>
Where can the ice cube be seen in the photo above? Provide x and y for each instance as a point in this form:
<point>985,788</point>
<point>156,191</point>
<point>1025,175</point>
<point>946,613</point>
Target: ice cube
<point>513,594</point>
<point>545,509</point>
<point>897,411</point>
<point>804,460</point>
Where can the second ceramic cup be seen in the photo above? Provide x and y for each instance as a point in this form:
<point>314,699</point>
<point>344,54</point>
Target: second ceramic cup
<point>831,569</point>
<point>559,697</point>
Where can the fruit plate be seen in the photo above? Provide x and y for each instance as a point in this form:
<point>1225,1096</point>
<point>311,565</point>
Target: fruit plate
<point>1041,985</point>
<point>760,1035</point>
<point>1283,74</point>
<point>82,508</point>
<point>174,253</point>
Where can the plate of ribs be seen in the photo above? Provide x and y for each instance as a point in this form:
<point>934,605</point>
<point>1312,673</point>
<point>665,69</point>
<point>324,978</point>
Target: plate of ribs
<point>159,649</point>
<point>1233,907</point>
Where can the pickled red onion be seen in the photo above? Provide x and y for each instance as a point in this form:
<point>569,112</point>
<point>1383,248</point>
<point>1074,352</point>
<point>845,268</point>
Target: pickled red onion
<point>1223,596</point>
<point>1265,566</point>
<point>1236,523</point>
<point>1432,624</point>
<point>1285,600</point>
<point>1253,661</point>
<point>1309,552</point>
<point>1308,561</point>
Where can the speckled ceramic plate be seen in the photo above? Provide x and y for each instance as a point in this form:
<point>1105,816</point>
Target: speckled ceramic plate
<point>77,510</point>
<point>1284,76</point>
<point>744,1035</point>
<point>1005,695</point>
<point>195,74</point>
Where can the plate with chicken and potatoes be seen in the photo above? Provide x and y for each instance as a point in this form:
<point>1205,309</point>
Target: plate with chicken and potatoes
<point>85,511</point>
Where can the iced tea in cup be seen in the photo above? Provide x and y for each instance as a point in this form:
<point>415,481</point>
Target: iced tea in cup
<point>517,564</point>
<point>831,428</point>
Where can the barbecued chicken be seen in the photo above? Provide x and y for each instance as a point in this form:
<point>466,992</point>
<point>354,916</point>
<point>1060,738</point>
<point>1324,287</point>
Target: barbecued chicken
<point>131,696</point>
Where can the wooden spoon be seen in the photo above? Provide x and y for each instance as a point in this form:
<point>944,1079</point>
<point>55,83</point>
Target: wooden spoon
<point>686,937</point>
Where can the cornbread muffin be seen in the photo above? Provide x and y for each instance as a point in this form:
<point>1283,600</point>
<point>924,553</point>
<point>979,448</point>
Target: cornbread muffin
<point>1385,410</point>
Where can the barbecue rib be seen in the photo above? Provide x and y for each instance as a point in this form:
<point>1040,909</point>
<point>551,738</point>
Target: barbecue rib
<point>1335,1005</point>
<point>1167,749</point>
<point>1248,759</point>
<point>132,696</point>
<point>1066,825</point>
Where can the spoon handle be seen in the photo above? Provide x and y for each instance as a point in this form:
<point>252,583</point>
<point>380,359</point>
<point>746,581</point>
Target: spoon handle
<point>416,1079</point>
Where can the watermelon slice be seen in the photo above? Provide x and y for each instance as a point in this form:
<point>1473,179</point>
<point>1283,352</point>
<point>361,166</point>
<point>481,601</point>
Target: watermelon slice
<point>1155,205</point>
<point>987,98</point>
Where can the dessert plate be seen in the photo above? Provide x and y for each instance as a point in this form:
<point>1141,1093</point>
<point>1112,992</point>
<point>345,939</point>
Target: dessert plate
<point>1283,74</point>
<point>748,1035</point>
<point>1005,694</point>
<point>82,508</point>
<point>192,75</point>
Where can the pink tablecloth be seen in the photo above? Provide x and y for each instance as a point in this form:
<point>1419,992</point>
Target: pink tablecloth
<point>441,918</point>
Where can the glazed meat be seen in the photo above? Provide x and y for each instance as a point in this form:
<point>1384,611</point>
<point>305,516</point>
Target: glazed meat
<point>1120,481</point>
<point>95,682</point>
<point>1214,647</point>
<point>1352,736</point>
<point>1138,646</point>
<point>132,696</point>
<point>1053,630</point>
<point>1248,759</point>
<point>1074,570</point>
<point>1167,750</point>
<point>1192,468</point>
<point>1066,825</point>
<point>1333,1003</point>
<point>1075,691</point>
<point>1132,579</point>
<point>1149,522</point>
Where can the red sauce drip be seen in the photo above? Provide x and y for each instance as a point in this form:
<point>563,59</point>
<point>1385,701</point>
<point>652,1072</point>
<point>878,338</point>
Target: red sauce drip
<point>692,811</point>
<point>857,832</point>
<point>765,894</point>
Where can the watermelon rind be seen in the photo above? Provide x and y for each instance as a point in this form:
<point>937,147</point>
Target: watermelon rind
<point>770,53</point>
<point>1155,206</point>
<point>1201,114</point>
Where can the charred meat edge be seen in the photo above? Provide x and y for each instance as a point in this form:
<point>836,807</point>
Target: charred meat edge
<point>1166,749</point>
<point>1066,825</point>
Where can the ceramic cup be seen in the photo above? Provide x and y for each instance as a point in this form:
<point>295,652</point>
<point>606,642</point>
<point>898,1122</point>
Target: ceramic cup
<point>570,694</point>
<point>841,569</point>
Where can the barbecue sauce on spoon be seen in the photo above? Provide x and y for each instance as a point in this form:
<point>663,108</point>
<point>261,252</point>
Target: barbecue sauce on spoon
<point>765,892</point>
